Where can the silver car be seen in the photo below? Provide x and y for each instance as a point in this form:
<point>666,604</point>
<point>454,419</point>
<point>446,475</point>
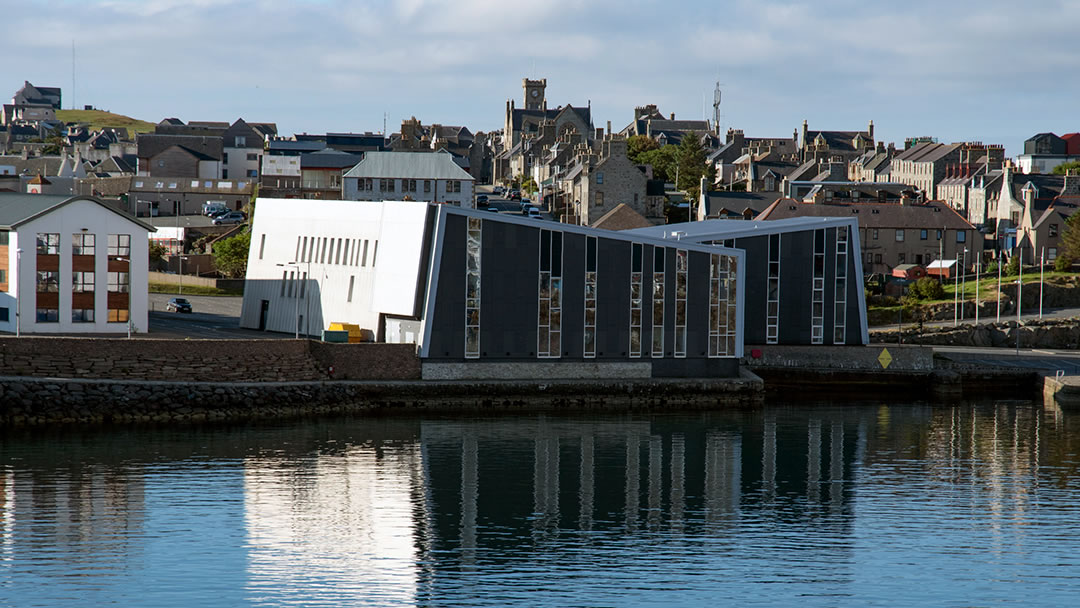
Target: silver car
<point>233,217</point>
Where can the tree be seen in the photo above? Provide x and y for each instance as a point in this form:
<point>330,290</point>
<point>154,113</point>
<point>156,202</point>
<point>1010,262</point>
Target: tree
<point>1013,269</point>
<point>637,145</point>
<point>927,288</point>
<point>230,255</point>
<point>1070,238</point>
<point>157,254</point>
<point>529,186</point>
<point>1064,168</point>
<point>691,164</point>
<point>663,161</point>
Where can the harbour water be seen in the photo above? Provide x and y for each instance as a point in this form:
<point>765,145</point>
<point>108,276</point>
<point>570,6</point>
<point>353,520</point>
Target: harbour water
<point>822,504</point>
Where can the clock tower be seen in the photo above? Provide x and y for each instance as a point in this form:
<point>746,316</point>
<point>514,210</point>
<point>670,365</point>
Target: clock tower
<point>534,93</point>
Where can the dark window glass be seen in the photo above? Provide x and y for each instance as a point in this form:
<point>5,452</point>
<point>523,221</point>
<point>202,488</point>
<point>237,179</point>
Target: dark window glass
<point>545,251</point>
<point>636,257</point>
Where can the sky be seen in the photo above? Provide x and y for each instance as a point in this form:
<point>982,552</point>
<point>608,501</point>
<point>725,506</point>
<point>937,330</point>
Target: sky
<point>991,71</point>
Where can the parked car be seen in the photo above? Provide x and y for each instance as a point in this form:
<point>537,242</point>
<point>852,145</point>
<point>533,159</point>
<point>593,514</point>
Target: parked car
<point>218,213</point>
<point>515,195</point>
<point>481,201</point>
<point>498,190</point>
<point>493,209</point>
<point>525,208</point>
<point>232,217</point>
<point>535,213</point>
<point>178,305</point>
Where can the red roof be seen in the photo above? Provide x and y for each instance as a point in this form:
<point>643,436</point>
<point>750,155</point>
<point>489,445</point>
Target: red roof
<point>1072,143</point>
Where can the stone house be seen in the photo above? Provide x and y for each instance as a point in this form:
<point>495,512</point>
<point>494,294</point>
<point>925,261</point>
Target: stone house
<point>599,182</point>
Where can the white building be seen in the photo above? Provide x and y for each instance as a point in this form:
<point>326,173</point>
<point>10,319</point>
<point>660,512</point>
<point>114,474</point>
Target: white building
<point>71,264</point>
<point>342,263</point>
<point>420,176</point>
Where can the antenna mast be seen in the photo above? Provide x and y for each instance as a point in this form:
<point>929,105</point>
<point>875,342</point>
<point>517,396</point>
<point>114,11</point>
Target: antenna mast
<point>73,74</point>
<point>716,108</point>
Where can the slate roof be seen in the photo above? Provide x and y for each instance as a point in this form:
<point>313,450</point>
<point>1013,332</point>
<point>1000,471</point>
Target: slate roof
<point>622,217</point>
<point>1047,186</point>
<point>933,214</point>
<point>927,152</point>
<point>838,140</point>
<point>519,113</point>
<point>286,145</point>
<point>42,165</point>
<point>17,209</point>
<point>737,202</point>
<point>409,165</point>
<point>329,159</point>
<point>152,144</point>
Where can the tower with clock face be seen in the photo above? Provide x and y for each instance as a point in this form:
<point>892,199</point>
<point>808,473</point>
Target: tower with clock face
<point>534,93</point>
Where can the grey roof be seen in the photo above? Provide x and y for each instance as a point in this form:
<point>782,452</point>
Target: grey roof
<point>739,201</point>
<point>409,165</point>
<point>933,214</point>
<point>17,209</point>
<point>152,144</point>
<point>328,159</point>
<point>710,230</point>
<point>287,145</point>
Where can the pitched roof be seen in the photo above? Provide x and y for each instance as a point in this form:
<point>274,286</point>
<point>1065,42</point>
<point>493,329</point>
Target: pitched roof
<point>17,209</point>
<point>328,159</point>
<point>409,165</point>
<point>737,202</point>
<point>622,217</point>
<point>933,214</point>
<point>152,144</point>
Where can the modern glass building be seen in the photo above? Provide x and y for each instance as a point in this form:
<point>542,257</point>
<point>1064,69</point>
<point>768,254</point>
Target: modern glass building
<point>492,295</point>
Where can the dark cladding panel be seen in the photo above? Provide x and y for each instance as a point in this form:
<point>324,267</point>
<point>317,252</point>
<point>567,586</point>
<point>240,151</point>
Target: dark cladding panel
<point>796,283</point>
<point>573,295</point>
<point>697,305</point>
<point>509,267</point>
<point>613,299</point>
<point>756,286</point>
<point>447,339</point>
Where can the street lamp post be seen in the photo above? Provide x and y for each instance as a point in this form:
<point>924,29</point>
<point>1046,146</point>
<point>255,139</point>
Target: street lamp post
<point>296,297</point>
<point>180,273</point>
<point>963,287</point>
<point>18,292</point>
<point>978,265</point>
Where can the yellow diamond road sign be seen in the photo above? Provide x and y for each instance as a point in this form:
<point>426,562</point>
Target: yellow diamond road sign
<point>884,358</point>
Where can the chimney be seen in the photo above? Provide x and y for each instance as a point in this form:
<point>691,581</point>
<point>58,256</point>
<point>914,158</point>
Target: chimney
<point>672,116</point>
<point>1071,186</point>
<point>905,197</point>
<point>870,130</point>
<point>609,127</point>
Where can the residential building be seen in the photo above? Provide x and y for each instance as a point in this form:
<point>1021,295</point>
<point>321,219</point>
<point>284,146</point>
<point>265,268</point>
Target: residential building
<point>650,122</point>
<point>418,176</point>
<point>1037,206</point>
<point>846,145</point>
<point>154,196</point>
<point>1044,151</point>
<point>803,276</point>
<point>891,234</point>
<point>872,165</point>
<point>321,173</point>
<point>242,150</point>
<point>494,295</point>
<point>926,164</point>
<point>598,182</point>
<point>71,264</point>
<point>524,123</point>
<point>176,156</point>
<point>280,175</point>
<point>726,205</point>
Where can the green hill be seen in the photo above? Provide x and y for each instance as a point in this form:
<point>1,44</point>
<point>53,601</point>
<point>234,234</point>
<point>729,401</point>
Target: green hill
<point>97,119</point>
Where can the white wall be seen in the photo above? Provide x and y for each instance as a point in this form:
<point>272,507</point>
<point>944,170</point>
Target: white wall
<point>68,220</point>
<point>238,165</point>
<point>280,166</point>
<point>351,191</point>
<point>397,227</point>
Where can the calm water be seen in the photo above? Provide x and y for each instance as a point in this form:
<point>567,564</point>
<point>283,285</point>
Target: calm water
<point>974,504</point>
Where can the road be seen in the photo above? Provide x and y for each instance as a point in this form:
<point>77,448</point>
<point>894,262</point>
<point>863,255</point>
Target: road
<point>508,206</point>
<point>1045,359</point>
<point>213,317</point>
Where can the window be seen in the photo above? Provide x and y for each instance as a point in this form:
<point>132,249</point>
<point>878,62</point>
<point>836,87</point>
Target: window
<point>374,252</point>
<point>817,297</point>
<point>253,157</point>
<point>939,235</point>
<point>262,245</point>
<point>352,282</point>
<point>1051,253</point>
<point>961,236</point>
<point>409,185</point>
<point>877,258</point>
<point>345,255</point>
<point>48,243</point>
<point>48,281</point>
<point>322,256</point>
<point>363,258</point>
<point>4,315</point>
<point>82,282</point>
<point>293,291</point>
<point>840,282</point>
<point>772,303</point>
<point>4,237</point>
<point>923,234</point>
<point>869,258</point>
<point>48,315</point>
<point>636,253</point>
<point>658,300</point>
<point>252,173</point>
<point>284,282</point>
<point>386,185</point>
<point>599,177</point>
<point>681,261</point>
<point>472,288</point>
<point>82,315</point>
<point>722,320</point>
<point>902,258</point>
<point>120,245</point>
<point>82,244</point>
<point>549,322</point>
<point>118,282</point>
<point>427,186</point>
<point>590,297</point>
<point>599,199</point>
<point>336,257</point>
<point>118,315</point>
<point>899,236</point>
<point>1053,230</point>
<point>453,186</point>
<point>240,141</point>
<point>875,234</point>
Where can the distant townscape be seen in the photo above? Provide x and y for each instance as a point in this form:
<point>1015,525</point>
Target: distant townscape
<point>880,210</point>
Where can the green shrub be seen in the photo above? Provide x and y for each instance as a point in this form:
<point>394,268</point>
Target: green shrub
<point>1063,264</point>
<point>926,288</point>
<point>1013,268</point>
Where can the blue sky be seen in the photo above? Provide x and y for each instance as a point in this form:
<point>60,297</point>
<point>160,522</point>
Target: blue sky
<point>992,71</point>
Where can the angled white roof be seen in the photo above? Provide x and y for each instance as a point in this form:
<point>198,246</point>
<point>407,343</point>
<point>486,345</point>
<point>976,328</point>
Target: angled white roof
<point>409,165</point>
<point>709,230</point>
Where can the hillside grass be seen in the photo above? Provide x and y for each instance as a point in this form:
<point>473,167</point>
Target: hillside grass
<point>193,290</point>
<point>98,119</point>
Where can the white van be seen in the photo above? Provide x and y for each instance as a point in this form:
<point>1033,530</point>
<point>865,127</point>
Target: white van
<point>211,207</point>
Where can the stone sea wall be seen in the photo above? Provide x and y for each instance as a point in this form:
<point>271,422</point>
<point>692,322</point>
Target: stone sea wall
<point>204,360</point>
<point>41,401</point>
<point>1047,333</point>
